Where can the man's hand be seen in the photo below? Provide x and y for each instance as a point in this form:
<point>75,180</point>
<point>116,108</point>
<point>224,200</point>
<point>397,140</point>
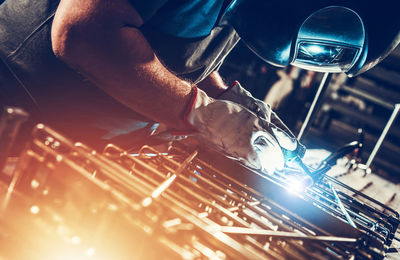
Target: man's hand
<point>288,142</point>
<point>235,131</point>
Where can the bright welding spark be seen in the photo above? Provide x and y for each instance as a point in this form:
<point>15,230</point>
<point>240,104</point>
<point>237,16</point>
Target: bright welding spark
<point>296,185</point>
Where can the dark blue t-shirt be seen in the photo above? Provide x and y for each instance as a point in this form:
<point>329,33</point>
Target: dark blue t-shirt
<point>186,35</point>
<point>186,19</point>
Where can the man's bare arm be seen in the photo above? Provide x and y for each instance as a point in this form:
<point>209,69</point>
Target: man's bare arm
<point>100,39</point>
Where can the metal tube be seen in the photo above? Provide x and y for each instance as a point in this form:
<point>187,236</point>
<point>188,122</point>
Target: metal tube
<point>383,135</point>
<point>341,206</point>
<point>313,109</point>
<point>280,234</point>
<point>168,182</point>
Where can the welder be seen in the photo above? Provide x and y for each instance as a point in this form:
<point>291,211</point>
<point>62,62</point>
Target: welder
<point>107,70</point>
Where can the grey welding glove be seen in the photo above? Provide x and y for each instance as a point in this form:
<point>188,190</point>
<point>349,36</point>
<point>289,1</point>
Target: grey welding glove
<point>288,142</point>
<point>234,130</point>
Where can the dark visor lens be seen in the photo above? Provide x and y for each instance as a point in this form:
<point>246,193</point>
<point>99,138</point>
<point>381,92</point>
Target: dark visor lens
<point>327,57</point>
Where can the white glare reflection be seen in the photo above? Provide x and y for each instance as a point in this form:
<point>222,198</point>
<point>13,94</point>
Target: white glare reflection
<point>35,209</point>
<point>90,252</point>
<point>75,240</point>
<point>296,185</point>
<point>34,184</point>
<point>315,49</point>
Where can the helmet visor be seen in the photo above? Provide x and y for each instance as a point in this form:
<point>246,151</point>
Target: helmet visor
<point>324,57</point>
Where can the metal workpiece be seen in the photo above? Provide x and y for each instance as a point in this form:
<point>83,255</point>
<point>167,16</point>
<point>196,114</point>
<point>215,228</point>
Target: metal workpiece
<point>185,203</point>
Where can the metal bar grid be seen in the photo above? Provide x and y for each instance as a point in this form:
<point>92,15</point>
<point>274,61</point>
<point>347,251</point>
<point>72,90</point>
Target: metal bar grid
<point>177,202</point>
<point>366,214</point>
<point>370,215</point>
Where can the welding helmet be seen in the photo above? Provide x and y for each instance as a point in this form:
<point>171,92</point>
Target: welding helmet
<point>320,35</point>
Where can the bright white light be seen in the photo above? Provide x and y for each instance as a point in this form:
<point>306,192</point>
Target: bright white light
<point>296,185</point>
<point>35,209</point>
<point>34,184</point>
<point>314,49</point>
<point>75,240</point>
<point>90,251</point>
<point>147,201</point>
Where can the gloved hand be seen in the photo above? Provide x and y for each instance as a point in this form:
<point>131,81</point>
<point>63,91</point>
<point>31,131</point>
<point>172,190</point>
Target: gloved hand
<point>234,130</point>
<point>291,147</point>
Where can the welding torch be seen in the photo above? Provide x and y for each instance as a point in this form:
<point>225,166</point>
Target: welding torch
<point>315,176</point>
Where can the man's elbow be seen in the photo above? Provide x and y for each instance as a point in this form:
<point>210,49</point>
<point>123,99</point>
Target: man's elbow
<point>64,43</point>
<point>59,47</point>
<point>72,41</point>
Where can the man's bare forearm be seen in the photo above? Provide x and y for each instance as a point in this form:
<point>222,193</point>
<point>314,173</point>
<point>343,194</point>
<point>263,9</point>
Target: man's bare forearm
<point>100,39</point>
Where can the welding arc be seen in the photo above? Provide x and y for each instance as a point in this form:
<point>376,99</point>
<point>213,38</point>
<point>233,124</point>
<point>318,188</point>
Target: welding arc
<point>282,234</point>
<point>167,183</point>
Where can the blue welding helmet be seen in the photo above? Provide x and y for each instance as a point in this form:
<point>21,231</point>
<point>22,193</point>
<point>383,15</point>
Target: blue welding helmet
<point>320,35</point>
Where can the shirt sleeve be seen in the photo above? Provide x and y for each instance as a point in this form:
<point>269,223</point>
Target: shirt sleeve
<point>147,8</point>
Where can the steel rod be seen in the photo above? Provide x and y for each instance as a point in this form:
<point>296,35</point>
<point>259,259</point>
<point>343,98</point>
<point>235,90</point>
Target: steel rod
<point>281,234</point>
<point>341,206</point>
<point>383,135</point>
<point>168,182</point>
<point>313,108</point>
